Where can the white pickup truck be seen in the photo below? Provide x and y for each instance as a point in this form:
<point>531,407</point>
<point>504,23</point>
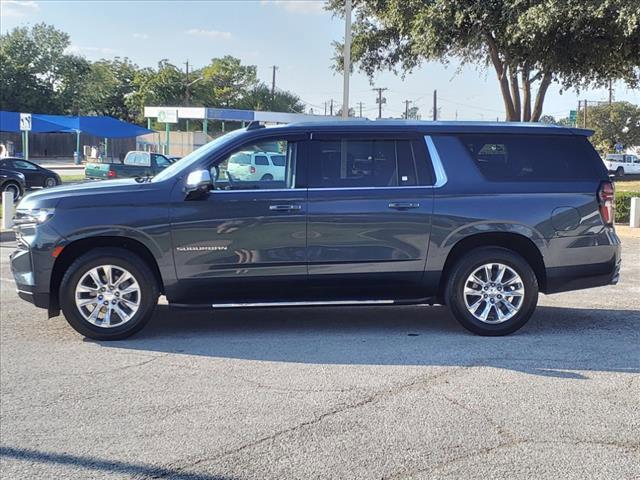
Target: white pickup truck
<point>622,164</point>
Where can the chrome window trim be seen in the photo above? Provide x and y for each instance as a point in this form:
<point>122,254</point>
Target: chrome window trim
<point>438,167</point>
<point>399,187</point>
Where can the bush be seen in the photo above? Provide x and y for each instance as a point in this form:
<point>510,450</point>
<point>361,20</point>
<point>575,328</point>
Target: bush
<point>623,205</point>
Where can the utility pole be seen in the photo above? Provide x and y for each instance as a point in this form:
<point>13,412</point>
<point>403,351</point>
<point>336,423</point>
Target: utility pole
<point>347,59</point>
<point>380,100</point>
<point>360,104</point>
<point>585,114</point>
<point>331,107</point>
<point>325,109</point>
<point>610,92</point>
<point>273,82</point>
<point>406,109</point>
<point>435,105</point>
<point>187,93</point>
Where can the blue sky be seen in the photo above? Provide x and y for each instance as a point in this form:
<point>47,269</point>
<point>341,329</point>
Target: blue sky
<point>294,35</point>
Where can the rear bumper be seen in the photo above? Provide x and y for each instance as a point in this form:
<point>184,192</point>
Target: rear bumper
<point>576,263</point>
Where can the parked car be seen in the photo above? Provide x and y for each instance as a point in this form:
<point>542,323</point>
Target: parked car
<point>12,181</point>
<point>622,164</point>
<point>135,164</point>
<point>480,217</point>
<point>34,174</point>
<point>250,165</point>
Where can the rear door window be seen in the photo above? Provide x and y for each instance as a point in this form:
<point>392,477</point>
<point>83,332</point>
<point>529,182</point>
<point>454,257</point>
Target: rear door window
<point>363,162</point>
<point>534,157</point>
<point>261,160</point>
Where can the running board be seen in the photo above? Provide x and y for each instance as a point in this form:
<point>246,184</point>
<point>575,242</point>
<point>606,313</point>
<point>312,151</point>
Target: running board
<point>302,304</point>
<point>283,304</point>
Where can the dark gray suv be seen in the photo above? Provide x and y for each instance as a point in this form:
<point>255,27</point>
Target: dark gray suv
<point>478,216</point>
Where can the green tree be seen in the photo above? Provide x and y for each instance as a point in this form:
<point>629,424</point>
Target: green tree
<point>412,114</point>
<point>37,75</point>
<point>529,43</point>
<point>260,98</point>
<point>107,87</point>
<point>615,123</point>
<point>225,81</point>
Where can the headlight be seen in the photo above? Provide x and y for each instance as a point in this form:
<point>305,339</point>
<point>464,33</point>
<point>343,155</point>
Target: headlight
<point>32,216</point>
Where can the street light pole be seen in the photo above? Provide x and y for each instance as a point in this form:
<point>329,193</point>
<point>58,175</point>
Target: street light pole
<point>347,59</point>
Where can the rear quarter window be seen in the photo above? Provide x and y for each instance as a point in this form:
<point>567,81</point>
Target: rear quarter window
<point>534,157</point>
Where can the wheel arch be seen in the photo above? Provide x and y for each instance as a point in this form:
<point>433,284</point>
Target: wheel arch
<point>81,246</point>
<point>514,242</point>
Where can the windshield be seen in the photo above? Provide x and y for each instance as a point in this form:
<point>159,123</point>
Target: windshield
<point>204,151</point>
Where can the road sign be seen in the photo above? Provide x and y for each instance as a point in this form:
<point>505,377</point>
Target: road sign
<point>618,147</point>
<point>169,115</point>
<point>25,122</point>
<point>573,116</point>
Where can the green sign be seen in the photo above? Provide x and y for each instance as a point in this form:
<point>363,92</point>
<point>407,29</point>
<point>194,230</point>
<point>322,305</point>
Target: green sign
<point>573,116</point>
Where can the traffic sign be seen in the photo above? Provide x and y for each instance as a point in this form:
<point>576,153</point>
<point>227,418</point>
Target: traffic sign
<point>169,115</point>
<point>573,116</point>
<point>618,147</point>
<point>25,122</point>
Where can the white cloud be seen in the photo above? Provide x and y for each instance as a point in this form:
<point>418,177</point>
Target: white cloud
<point>216,34</point>
<point>298,6</point>
<point>78,50</point>
<point>17,9</point>
<point>140,36</point>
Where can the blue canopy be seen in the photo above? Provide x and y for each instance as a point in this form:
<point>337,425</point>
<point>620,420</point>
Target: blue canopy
<point>98,126</point>
<point>10,122</point>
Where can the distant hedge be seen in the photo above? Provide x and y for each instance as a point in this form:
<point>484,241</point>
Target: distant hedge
<point>623,205</point>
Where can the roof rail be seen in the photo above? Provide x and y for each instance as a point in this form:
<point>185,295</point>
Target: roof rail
<point>254,125</point>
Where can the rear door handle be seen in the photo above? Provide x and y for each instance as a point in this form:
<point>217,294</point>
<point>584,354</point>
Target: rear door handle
<point>284,208</point>
<point>403,205</point>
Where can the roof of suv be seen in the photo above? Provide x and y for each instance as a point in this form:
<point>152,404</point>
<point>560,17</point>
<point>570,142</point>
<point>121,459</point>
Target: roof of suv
<point>441,127</point>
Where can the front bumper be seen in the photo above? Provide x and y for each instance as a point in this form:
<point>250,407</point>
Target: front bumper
<point>31,264</point>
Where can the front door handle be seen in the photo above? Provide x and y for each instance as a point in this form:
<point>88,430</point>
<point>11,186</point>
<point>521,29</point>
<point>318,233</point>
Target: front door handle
<point>403,205</point>
<point>284,208</point>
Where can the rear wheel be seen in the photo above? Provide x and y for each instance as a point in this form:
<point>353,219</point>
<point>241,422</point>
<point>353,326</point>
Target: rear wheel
<point>108,294</point>
<point>267,176</point>
<point>620,172</point>
<point>50,182</point>
<point>14,188</point>
<point>492,291</point>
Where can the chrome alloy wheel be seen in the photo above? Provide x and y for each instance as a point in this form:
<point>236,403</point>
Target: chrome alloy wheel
<point>108,296</point>
<point>493,293</point>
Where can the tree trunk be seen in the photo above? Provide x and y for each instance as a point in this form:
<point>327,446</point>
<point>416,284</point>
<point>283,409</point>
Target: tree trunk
<point>526,96</point>
<point>502,77</point>
<point>515,92</point>
<point>542,91</point>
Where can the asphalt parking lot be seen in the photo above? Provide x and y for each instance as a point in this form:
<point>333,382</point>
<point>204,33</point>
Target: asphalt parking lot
<point>366,393</point>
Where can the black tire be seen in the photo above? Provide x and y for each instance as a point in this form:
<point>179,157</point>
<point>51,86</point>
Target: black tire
<point>13,187</point>
<point>620,172</point>
<point>120,258</point>
<point>267,177</point>
<point>50,182</point>
<point>454,293</point>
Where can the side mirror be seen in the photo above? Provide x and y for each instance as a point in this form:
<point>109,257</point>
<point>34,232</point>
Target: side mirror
<point>199,183</point>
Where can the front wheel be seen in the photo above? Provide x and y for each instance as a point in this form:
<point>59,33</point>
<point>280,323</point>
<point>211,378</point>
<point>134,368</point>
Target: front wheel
<point>108,294</point>
<point>620,172</point>
<point>492,291</point>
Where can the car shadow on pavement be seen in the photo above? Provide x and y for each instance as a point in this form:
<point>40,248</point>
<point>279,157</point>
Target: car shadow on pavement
<point>98,464</point>
<point>557,342</point>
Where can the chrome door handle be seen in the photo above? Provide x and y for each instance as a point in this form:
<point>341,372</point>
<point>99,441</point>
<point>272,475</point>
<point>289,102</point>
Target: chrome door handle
<point>284,208</point>
<point>403,205</point>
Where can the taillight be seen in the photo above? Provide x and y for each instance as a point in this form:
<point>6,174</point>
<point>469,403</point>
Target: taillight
<point>111,174</point>
<point>606,201</point>
<point>252,169</point>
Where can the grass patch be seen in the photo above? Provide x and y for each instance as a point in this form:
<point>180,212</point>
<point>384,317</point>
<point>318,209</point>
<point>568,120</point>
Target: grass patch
<point>628,186</point>
<point>73,178</point>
